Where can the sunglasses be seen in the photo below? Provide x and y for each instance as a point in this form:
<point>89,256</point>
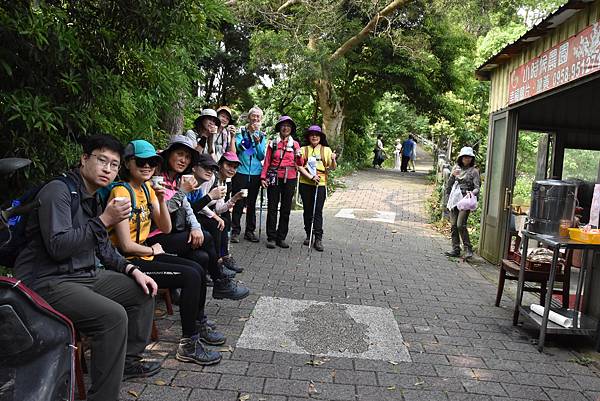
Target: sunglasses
<point>152,162</point>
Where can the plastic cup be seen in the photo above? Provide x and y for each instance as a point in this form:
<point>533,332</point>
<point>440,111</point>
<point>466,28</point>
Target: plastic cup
<point>244,192</point>
<point>187,177</point>
<point>120,199</point>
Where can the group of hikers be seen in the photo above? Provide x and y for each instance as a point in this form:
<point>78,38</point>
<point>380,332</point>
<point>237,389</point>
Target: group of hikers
<point>405,153</point>
<point>101,247</point>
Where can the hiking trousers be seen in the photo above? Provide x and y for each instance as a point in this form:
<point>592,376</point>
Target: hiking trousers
<point>307,193</point>
<point>281,194</point>
<point>113,311</point>
<point>252,183</point>
<point>175,272</point>
<point>458,229</point>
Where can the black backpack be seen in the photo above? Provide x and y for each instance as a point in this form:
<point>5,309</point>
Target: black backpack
<point>14,239</point>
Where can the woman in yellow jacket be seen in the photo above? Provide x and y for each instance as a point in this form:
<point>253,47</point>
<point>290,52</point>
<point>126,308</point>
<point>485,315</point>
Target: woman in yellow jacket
<point>318,159</point>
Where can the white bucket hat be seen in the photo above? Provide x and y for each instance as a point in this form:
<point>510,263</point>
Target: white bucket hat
<point>466,151</point>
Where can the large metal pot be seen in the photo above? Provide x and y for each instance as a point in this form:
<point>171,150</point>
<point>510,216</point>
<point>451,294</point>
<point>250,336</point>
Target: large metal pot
<point>552,207</point>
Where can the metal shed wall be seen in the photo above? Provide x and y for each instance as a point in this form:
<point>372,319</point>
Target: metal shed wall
<point>501,75</point>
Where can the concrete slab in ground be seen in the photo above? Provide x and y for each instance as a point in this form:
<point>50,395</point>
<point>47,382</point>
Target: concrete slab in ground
<point>323,328</point>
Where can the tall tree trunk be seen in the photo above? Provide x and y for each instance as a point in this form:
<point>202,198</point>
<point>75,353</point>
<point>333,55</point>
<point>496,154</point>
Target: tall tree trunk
<point>333,113</point>
<point>172,120</point>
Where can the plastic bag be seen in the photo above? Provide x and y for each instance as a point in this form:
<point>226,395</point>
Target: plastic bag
<point>454,197</point>
<point>469,202</point>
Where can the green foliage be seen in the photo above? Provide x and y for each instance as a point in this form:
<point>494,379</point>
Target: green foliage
<point>73,68</point>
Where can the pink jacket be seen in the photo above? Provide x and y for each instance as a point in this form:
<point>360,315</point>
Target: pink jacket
<point>288,167</point>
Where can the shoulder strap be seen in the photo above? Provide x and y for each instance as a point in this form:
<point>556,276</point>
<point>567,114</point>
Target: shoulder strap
<point>147,194</point>
<point>73,190</point>
<point>323,158</point>
<point>306,153</point>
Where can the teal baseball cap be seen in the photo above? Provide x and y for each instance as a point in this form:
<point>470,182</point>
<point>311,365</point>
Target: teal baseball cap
<point>140,149</point>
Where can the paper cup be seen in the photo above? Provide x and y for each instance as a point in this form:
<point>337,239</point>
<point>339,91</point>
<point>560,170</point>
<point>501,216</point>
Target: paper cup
<point>157,180</point>
<point>187,177</point>
<point>120,199</point>
<point>244,192</point>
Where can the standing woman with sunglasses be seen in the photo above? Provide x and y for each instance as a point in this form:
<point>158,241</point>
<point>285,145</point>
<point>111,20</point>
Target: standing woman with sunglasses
<point>169,271</point>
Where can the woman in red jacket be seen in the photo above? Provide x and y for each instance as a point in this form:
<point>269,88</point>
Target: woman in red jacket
<point>279,174</point>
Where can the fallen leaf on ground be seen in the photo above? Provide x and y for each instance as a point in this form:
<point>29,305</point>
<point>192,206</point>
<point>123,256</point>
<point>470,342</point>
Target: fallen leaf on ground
<point>393,363</point>
<point>160,382</point>
<point>391,387</point>
<point>133,393</point>
<point>243,319</point>
<point>225,349</point>
<point>333,374</point>
<point>419,383</point>
<point>244,397</point>
<point>394,231</point>
<point>311,388</point>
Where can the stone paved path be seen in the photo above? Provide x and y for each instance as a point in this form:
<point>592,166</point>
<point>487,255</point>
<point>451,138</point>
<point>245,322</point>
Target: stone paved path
<point>461,347</point>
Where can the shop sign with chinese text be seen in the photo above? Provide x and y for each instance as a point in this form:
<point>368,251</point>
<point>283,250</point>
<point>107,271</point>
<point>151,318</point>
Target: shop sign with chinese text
<point>574,58</point>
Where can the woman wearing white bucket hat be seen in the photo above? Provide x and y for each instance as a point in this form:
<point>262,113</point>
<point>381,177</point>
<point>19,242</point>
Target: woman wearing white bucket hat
<point>465,181</point>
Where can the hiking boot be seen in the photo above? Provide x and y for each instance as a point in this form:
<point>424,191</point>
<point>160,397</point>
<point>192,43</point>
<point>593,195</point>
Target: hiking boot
<point>235,238</point>
<point>140,369</point>
<point>204,320</point>
<point>250,236</point>
<point>453,253</point>
<point>318,245</point>
<point>227,273</point>
<point>229,289</point>
<point>306,241</point>
<point>191,350</point>
<point>282,244</point>
<point>468,253</point>
<point>209,336</point>
<point>270,244</point>
<point>230,263</point>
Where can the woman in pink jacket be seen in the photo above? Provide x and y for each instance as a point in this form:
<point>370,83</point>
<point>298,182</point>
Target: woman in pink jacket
<point>279,174</point>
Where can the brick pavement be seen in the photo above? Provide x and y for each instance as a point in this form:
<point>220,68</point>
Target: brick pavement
<point>461,346</point>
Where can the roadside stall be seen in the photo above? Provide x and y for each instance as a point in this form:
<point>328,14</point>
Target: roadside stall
<point>547,82</point>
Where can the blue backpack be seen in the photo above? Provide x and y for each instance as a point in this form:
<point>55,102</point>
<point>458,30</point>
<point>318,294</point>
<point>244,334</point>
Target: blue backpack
<point>14,239</point>
<point>136,212</point>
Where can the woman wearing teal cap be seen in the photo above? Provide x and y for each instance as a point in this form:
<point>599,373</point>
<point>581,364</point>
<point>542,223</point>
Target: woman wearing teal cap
<point>169,271</point>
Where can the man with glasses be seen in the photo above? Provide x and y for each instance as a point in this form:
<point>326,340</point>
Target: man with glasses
<point>112,306</point>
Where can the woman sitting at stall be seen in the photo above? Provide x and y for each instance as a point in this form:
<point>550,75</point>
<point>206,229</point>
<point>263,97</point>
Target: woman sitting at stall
<point>169,271</point>
<point>279,177</point>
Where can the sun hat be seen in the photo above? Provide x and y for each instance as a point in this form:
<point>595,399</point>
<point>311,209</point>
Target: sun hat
<point>206,161</point>
<point>207,113</point>
<point>466,151</point>
<point>140,149</point>
<point>283,119</point>
<point>227,111</point>
<point>230,157</point>
<point>316,129</point>
<point>181,141</point>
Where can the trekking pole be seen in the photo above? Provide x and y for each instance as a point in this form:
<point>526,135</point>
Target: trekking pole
<point>260,212</point>
<point>312,219</point>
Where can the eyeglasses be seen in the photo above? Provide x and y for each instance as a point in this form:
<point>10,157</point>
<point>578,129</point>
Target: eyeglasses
<point>152,162</point>
<point>104,162</point>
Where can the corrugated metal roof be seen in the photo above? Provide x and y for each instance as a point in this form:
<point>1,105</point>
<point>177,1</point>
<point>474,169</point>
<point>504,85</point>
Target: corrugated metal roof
<point>562,14</point>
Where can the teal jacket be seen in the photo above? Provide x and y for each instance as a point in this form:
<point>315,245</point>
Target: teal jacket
<point>251,164</point>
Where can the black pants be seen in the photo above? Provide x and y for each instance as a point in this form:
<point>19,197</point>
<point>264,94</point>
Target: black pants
<point>114,312</point>
<point>282,193</point>
<point>177,243</point>
<point>404,165</point>
<point>307,193</point>
<point>220,237</point>
<point>174,272</point>
<point>252,183</point>
<point>458,229</point>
